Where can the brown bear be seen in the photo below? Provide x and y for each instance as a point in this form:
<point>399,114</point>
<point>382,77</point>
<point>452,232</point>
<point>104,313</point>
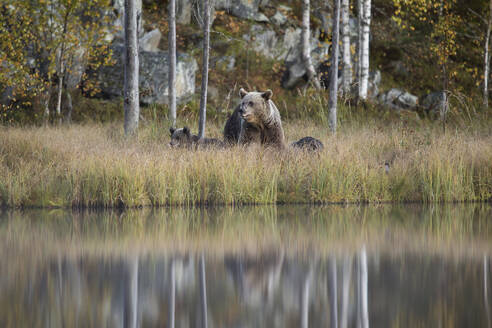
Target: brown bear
<point>182,138</point>
<point>232,127</point>
<point>261,121</point>
<point>252,132</point>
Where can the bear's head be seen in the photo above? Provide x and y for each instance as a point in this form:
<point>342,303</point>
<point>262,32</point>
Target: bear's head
<point>255,108</point>
<point>180,137</point>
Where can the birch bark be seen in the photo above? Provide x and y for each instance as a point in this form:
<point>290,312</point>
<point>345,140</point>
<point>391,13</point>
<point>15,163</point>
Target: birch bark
<point>487,60</point>
<point>364,65</point>
<point>206,52</point>
<point>131,96</point>
<point>172,62</point>
<point>306,48</point>
<point>334,68</point>
<point>347,62</point>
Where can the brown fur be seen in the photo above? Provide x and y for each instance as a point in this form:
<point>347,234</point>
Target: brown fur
<point>182,138</point>
<point>261,122</point>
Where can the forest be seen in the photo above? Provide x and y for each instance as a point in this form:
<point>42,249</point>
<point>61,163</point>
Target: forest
<point>393,96</point>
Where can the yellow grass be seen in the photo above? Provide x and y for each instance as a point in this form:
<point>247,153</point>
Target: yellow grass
<point>96,166</point>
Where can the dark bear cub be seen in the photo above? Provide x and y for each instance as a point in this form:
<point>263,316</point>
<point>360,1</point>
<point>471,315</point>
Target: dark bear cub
<point>183,138</point>
<point>308,143</point>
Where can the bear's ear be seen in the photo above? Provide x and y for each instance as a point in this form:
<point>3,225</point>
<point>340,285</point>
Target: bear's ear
<point>242,92</point>
<point>186,131</point>
<point>171,129</point>
<point>267,95</point>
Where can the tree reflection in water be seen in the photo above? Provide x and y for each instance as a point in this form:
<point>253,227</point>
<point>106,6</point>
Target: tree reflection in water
<point>361,283</point>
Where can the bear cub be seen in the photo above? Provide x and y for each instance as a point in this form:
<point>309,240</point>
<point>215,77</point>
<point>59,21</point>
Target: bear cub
<point>183,138</point>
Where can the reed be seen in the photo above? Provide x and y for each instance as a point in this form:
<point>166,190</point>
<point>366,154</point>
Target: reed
<point>94,165</point>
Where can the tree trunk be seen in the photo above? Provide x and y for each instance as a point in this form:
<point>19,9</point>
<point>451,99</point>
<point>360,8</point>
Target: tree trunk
<point>131,294</point>
<point>347,61</point>
<point>172,293</point>
<point>485,289</point>
<point>47,96</point>
<point>363,315</point>
<point>131,97</point>
<point>360,10</point>
<point>203,291</point>
<point>305,300</point>
<point>306,49</point>
<point>333,293</point>
<point>60,91</point>
<point>334,67</point>
<point>172,62</point>
<point>69,107</point>
<point>487,60</point>
<point>206,50</point>
<point>347,272</point>
<point>364,65</point>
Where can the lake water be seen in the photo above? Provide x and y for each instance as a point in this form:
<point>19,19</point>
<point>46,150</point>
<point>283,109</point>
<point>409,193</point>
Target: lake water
<point>282,266</point>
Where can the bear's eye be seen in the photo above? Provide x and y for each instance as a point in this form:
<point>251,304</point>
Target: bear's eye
<point>250,104</point>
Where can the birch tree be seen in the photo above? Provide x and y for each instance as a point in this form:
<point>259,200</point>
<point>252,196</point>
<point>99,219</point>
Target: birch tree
<point>306,48</point>
<point>131,293</point>
<point>172,292</point>
<point>347,61</point>
<point>39,40</point>
<point>333,293</point>
<point>347,272</point>
<point>486,56</point>
<point>206,53</point>
<point>360,5</point>
<point>305,299</point>
<point>131,96</point>
<point>364,49</point>
<point>203,291</point>
<point>362,306</point>
<point>172,62</point>
<point>334,68</point>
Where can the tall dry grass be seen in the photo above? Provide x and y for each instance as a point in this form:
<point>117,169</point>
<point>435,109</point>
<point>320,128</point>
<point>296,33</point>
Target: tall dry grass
<point>96,166</point>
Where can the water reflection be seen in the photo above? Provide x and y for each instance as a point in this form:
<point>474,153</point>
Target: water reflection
<point>322,267</point>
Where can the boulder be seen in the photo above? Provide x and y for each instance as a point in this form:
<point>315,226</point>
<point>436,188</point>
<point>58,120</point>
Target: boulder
<point>246,9</point>
<point>150,40</point>
<point>226,63</point>
<point>294,70</point>
<point>153,76</point>
<point>183,11</point>
<point>278,19</point>
<point>433,102</point>
<point>398,99</point>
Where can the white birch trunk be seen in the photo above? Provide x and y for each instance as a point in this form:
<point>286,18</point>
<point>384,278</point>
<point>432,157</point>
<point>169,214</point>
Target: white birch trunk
<point>485,289</point>
<point>347,272</point>
<point>206,50</point>
<point>305,300</point>
<point>333,293</point>
<point>306,48</point>
<point>203,292</point>
<point>60,91</point>
<point>172,62</point>
<point>131,96</point>
<point>347,62</point>
<point>172,294</point>
<point>487,60</point>
<point>360,10</point>
<point>131,294</point>
<point>364,309</point>
<point>364,65</point>
<point>334,68</point>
